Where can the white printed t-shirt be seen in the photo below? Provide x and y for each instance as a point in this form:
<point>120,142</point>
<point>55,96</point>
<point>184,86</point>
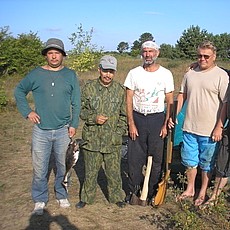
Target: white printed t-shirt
<point>149,88</point>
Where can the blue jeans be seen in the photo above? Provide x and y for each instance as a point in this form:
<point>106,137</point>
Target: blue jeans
<point>45,142</point>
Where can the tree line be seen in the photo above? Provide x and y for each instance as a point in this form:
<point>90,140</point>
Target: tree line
<point>22,53</point>
<point>186,45</point>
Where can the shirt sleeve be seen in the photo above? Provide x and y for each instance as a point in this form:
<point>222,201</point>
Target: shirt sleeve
<point>20,93</point>
<point>122,123</point>
<point>183,86</point>
<point>128,81</point>
<point>75,103</point>
<point>170,83</point>
<point>87,114</point>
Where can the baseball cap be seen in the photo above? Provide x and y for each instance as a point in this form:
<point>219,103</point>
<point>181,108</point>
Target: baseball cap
<point>108,62</point>
<point>55,44</point>
<point>150,44</point>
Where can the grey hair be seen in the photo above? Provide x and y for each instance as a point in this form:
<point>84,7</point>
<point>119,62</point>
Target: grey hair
<point>207,45</point>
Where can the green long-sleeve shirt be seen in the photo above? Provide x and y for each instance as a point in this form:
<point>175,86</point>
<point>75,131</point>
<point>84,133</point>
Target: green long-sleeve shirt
<point>108,101</point>
<point>56,97</point>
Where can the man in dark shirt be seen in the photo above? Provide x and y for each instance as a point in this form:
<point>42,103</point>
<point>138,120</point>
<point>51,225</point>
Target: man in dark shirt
<point>56,94</point>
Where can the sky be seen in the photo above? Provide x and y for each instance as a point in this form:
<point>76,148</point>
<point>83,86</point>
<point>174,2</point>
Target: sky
<point>114,21</point>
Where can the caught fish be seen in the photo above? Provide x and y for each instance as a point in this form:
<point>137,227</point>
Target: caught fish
<point>71,158</point>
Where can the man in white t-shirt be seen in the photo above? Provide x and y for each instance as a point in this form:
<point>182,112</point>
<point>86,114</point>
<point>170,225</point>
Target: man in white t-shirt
<point>148,87</point>
<point>204,89</point>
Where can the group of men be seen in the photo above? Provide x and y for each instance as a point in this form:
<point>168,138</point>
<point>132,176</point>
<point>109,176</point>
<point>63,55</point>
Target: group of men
<point>143,106</point>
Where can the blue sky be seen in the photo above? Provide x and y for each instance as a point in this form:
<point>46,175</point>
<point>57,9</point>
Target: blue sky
<point>114,21</point>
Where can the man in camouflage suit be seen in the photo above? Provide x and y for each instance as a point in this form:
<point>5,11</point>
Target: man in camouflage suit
<point>104,113</point>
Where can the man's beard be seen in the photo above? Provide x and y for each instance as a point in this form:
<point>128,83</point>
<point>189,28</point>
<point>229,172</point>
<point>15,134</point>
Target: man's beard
<point>146,63</point>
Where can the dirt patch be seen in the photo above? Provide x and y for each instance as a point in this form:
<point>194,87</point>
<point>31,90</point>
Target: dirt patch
<point>15,185</point>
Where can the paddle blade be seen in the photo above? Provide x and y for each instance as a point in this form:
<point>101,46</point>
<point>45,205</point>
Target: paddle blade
<point>159,198</point>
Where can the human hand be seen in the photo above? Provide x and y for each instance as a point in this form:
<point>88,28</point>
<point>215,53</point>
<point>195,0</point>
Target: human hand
<point>192,66</point>
<point>170,123</point>
<point>217,134</point>
<point>34,117</point>
<point>163,132</point>
<point>101,119</point>
<point>72,132</point>
<point>133,132</point>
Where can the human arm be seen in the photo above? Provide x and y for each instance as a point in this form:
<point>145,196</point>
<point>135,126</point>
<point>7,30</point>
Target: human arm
<point>122,122</point>
<point>75,105</point>
<point>133,132</point>
<point>88,103</point>
<point>168,117</point>
<point>20,93</point>
<point>181,98</point>
<point>217,132</point>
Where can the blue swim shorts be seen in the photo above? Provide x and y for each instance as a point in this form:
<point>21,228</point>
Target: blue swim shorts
<point>198,151</point>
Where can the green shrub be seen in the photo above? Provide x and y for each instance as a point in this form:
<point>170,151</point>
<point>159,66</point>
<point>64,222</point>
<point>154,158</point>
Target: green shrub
<point>3,99</point>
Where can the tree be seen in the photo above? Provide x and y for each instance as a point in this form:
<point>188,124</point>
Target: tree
<point>166,51</point>
<point>146,37</point>
<point>122,47</point>
<point>4,33</point>
<point>84,55</point>
<point>222,42</point>
<point>20,54</point>
<point>135,49</point>
<point>190,40</point>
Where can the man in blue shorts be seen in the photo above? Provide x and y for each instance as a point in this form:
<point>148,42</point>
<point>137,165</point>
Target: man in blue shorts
<point>204,89</point>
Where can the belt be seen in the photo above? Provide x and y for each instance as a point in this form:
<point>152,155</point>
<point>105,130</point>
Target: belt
<point>147,114</point>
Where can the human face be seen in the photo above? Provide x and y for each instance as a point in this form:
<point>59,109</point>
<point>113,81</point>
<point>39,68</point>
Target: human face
<point>149,55</point>
<point>206,58</point>
<point>54,58</point>
<point>106,75</point>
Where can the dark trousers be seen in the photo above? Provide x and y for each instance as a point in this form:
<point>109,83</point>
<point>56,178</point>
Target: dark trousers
<point>147,143</point>
<point>223,157</point>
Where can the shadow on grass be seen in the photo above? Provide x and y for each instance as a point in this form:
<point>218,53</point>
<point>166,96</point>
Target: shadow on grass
<point>44,222</point>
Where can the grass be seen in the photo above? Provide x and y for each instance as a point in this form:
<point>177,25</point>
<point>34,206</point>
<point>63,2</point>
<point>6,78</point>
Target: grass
<point>15,144</point>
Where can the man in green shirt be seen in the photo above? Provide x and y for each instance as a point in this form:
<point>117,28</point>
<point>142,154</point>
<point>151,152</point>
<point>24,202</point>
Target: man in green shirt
<point>104,113</point>
<point>56,95</point>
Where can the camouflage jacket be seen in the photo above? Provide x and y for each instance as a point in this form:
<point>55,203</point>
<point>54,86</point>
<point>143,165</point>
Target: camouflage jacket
<point>108,101</point>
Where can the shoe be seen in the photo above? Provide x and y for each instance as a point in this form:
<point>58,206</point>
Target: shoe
<point>63,203</point>
<point>81,204</point>
<point>39,208</point>
<point>121,204</point>
<point>128,198</point>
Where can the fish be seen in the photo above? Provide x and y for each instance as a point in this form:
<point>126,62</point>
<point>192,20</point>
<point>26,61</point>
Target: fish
<point>72,155</point>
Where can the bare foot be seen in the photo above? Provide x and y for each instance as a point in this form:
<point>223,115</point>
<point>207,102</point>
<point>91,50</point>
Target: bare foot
<point>185,195</point>
<point>199,201</point>
<point>209,203</point>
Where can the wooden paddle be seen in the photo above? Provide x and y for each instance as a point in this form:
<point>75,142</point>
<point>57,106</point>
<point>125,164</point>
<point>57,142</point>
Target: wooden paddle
<point>162,186</point>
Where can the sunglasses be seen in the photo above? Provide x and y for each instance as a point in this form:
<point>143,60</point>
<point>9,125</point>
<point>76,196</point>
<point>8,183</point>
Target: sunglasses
<point>206,57</point>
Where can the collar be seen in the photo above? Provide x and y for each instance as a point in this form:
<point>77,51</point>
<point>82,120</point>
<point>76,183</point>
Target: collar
<point>102,86</point>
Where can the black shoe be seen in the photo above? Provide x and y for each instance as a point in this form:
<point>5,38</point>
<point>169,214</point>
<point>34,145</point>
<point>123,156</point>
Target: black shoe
<point>81,204</point>
<point>121,204</point>
<point>128,198</point>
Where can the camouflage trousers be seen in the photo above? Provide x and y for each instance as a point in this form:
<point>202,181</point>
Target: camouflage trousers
<point>112,168</point>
